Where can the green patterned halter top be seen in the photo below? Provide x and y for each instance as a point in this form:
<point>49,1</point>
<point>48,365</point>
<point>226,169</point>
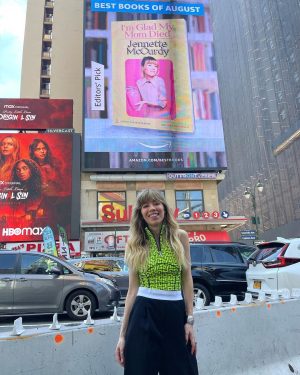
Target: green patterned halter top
<point>161,270</point>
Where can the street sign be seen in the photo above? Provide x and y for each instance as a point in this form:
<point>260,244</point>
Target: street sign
<point>248,237</point>
<point>248,232</point>
<point>225,214</point>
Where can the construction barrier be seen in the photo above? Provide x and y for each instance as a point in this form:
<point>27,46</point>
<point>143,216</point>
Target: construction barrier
<point>261,338</point>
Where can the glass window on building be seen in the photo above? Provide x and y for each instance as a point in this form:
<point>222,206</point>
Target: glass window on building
<point>189,201</point>
<point>111,205</point>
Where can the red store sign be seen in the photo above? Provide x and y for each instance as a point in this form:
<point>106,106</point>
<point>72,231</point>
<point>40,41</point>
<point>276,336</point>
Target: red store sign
<point>103,241</point>
<point>110,214</point>
<point>211,236</point>
<point>39,246</point>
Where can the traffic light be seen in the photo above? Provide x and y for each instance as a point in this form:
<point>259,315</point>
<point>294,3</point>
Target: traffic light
<point>255,220</point>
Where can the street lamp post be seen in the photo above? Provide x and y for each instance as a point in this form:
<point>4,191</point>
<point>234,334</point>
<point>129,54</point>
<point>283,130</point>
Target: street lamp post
<point>251,193</point>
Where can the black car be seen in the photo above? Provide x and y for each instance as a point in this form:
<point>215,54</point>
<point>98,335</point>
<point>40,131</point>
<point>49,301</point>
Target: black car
<point>219,269</point>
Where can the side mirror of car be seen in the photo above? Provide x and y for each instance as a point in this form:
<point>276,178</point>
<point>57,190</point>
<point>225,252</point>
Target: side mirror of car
<point>55,271</point>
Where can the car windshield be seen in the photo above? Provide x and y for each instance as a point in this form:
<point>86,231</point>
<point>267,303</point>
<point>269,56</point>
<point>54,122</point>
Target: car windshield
<point>267,253</point>
<point>103,265</point>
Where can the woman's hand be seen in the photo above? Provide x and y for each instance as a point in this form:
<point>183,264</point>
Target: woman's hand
<point>189,336</point>
<point>119,352</point>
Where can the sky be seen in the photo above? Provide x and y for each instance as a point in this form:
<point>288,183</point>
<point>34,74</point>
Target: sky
<point>12,25</point>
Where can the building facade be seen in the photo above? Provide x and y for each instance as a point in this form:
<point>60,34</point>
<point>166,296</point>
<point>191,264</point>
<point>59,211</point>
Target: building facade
<point>53,67</point>
<point>258,62</point>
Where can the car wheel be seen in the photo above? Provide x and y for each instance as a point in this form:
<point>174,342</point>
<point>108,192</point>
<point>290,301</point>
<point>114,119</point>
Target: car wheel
<point>200,291</point>
<point>79,303</point>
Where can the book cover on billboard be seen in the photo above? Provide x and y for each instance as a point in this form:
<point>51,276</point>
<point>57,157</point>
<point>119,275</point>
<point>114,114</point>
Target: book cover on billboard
<point>175,124</point>
<point>151,86</point>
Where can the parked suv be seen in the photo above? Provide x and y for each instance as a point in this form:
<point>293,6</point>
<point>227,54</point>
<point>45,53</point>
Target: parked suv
<point>36,283</point>
<point>219,269</point>
<point>275,265</point>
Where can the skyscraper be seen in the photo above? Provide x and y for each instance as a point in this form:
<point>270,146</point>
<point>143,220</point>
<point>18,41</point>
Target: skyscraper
<point>53,52</point>
<point>258,63</point>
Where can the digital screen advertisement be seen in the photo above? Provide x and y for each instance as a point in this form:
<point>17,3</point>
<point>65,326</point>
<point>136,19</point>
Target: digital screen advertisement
<point>151,96</point>
<point>36,114</point>
<point>35,184</point>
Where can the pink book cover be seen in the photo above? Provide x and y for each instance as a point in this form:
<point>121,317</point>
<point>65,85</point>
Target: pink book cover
<point>151,85</point>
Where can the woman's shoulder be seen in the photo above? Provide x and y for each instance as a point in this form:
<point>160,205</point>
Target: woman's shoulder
<point>182,234</point>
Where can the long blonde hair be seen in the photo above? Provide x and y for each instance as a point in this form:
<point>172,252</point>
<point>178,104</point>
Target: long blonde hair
<point>7,163</point>
<point>137,248</point>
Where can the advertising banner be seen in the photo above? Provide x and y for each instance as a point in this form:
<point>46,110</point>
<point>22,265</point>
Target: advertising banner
<point>151,90</point>
<point>39,246</point>
<point>35,184</point>
<point>49,241</point>
<point>103,241</point>
<point>36,114</point>
<point>64,249</point>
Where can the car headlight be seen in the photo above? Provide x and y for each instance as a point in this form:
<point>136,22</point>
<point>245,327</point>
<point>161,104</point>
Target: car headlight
<point>105,281</point>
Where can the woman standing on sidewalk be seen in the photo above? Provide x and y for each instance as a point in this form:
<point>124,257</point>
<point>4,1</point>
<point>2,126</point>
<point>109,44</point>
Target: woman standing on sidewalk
<point>157,329</point>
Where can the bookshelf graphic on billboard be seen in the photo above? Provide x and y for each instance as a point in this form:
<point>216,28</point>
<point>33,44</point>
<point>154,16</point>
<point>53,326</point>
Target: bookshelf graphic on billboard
<point>162,108</point>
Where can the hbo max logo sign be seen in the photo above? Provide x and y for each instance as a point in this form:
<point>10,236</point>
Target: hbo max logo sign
<point>22,231</point>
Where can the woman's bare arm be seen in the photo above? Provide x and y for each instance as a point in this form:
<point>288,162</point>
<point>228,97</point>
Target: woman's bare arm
<point>187,288</point>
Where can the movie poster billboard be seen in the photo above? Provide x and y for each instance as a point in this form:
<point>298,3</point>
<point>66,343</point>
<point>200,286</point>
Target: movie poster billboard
<point>36,114</point>
<point>35,184</point>
<point>151,89</point>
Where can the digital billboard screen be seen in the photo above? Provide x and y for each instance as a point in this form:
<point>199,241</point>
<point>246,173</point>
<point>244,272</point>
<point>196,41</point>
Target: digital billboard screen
<point>35,184</point>
<point>151,97</point>
<point>36,114</point>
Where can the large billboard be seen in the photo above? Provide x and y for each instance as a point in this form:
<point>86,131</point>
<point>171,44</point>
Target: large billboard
<point>151,91</point>
<point>38,114</point>
<point>35,184</point>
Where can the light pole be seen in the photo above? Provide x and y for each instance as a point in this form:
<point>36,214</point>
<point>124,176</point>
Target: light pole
<point>251,193</point>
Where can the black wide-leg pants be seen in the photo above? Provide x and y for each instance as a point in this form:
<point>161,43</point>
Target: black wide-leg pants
<point>155,339</point>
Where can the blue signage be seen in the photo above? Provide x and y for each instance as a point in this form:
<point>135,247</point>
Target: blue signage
<point>49,241</point>
<point>186,215</point>
<point>156,7</point>
<point>248,232</point>
<point>225,214</point>
<point>248,237</point>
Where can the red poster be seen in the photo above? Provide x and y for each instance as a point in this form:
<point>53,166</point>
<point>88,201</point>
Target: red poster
<point>35,184</point>
<point>36,114</point>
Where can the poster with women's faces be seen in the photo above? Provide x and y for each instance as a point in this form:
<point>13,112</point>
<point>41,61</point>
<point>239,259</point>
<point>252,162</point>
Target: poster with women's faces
<point>35,184</point>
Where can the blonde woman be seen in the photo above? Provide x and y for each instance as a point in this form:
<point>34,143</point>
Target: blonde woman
<point>9,154</point>
<point>157,329</point>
